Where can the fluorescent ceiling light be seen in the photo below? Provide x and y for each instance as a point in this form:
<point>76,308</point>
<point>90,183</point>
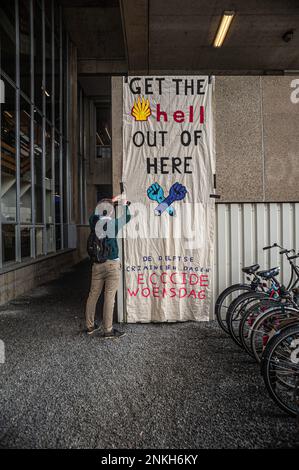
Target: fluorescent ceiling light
<point>225,23</point>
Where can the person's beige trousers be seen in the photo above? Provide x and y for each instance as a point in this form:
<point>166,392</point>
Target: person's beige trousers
<point>107,274</point>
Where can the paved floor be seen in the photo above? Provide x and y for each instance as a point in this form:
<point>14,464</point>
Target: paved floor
<point>161,386</point>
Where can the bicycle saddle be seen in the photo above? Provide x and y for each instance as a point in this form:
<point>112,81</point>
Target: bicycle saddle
<point>269,273</point>
<point>251,269</point>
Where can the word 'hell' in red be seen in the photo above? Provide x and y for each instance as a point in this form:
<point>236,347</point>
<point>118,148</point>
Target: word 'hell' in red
<point>181,116</point>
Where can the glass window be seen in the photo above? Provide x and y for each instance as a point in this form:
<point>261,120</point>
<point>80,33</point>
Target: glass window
<point>103,134</point>
<point>8,38</point>
<point>58,236</point>
<point>38,188</point>
<point>38,55</point>
<point>8,243</point>
<point>49,63</point>
<point>25,46</point>
<point>57,179</point>
<point>48,10</point>
<point>39,241</point>
<point>25,163</point>
<point>48,179</point>
<point>8,155</point>
<point>48,124</point>
<point>57,64</point>
<point>48,151</point>
<point>50,238</point>
<point>57,192</point>
<point>64,176</point>
<point>57,20</point>
<point>65,87</point>
<point>57,86</point>
<point>25,242</point>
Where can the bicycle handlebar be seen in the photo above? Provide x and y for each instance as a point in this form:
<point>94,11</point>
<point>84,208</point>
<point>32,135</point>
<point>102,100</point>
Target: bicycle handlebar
<point>270,246</point>
<point>294,256</point>
<point>286,252</point>
<point>294,269</point>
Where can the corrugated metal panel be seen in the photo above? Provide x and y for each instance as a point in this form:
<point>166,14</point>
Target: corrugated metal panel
<point>242,230</point>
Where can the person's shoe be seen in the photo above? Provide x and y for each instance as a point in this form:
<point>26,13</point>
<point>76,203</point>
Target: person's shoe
<point>113,334</point>
<point>94,328</point>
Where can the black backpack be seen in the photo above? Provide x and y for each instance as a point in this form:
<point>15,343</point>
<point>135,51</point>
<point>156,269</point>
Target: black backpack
<point>98,249</point>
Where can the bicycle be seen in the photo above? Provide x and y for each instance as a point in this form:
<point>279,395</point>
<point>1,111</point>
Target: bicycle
<point>251,302</point>
<point>226,297</point>
<point>280,369</point>
<point>230,293</point>
<point>235,309</point>
<point>256,324</point>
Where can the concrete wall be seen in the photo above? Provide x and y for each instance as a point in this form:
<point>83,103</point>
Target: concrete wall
<point>117,142</point>
<point>90,157</point>
<point>20,278</point>
<point>257,139</point>
<point>25,277</point>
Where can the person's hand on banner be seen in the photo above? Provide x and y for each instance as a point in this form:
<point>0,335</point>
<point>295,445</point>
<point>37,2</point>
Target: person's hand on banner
<point>155,193</point>
<point>177,192</point>
<point>121,199</point>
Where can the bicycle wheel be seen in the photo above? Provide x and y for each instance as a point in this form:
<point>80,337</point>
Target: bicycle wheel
<point>249,318</point>
<point>237,309</point>
<point>225,299</point>
<point>280,369</point>
<point>267,325</point>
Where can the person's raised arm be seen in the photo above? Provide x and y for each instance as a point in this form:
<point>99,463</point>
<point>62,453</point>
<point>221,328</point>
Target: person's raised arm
<point>123,219</point>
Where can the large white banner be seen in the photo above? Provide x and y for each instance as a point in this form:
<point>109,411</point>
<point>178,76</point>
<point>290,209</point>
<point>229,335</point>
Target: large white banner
<point>168,167</point>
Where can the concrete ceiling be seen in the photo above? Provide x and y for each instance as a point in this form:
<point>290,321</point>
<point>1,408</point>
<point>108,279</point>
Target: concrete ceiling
<point>96,87</point>
<point>175,36</point>
<point>95,27</point>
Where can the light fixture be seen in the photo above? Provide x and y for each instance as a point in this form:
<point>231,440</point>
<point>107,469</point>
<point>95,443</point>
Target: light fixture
<point>224,25</point>
<point>46,92</point>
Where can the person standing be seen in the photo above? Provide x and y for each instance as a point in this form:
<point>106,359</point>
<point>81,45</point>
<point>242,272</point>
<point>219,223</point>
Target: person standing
<point>102,248</point>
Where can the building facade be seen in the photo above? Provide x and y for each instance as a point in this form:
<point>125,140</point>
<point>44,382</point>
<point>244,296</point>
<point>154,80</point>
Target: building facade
<point>47,138</point>
<point>61,143</point>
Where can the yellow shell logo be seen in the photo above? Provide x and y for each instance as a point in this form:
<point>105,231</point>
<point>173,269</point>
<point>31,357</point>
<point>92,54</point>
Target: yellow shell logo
<point>141,109</point>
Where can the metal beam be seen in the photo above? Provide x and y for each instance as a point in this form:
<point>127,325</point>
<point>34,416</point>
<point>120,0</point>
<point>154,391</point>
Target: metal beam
<point>45,241</point>
<point>32,136</point>
<point>135,20</point>
<point>88,67</point>
<point>18,147</point>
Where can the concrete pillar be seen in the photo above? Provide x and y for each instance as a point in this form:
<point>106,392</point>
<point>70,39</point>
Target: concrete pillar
<point>74,134</point>
<point>117,154</point>
<point>117,139</point>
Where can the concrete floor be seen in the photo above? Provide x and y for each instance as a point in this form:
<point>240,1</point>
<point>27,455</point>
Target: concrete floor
<point>161,386</point>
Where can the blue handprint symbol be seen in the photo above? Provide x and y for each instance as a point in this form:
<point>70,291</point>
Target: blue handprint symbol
<point>155,193</point>
<point>177,193</point>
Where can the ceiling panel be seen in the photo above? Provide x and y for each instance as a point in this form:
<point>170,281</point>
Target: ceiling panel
<point>97,32</point>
